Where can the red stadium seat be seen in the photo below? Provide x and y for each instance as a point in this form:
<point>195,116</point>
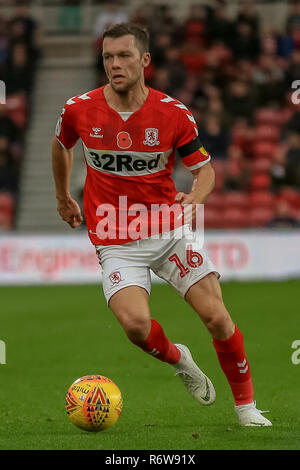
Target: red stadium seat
<point>215,200</point>
<point>291,196</point>
<point>263,199</point>
<point>260,165</point>
<point>267,133</point>
<point>238,199</point>
<point>264,150</point>
<point>235,217</point>
<point>212,218</point>
<point>16,106</point>
<point>6,210</point>
<point>268,116</point>
<point>261,181</point>
<point>260,216</point>
<point>219,166</point>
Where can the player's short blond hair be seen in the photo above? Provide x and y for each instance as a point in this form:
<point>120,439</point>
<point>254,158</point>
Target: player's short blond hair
<point>140,33</point>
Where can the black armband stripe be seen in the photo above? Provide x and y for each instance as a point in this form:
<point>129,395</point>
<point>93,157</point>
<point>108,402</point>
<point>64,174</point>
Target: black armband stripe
<point>191,147</point>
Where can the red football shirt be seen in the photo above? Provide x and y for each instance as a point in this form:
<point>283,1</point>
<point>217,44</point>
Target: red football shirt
<point>129,163</point>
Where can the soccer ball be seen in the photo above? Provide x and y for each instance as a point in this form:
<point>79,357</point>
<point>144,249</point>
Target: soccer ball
<point>93,403</point>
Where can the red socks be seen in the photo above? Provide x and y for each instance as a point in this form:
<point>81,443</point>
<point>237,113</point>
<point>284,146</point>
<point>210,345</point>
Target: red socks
<point>230,352</point>
<point>158,345</point>
<point>233,360</point>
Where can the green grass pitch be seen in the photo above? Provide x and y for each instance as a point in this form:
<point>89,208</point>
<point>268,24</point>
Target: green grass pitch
<point>56,334</point>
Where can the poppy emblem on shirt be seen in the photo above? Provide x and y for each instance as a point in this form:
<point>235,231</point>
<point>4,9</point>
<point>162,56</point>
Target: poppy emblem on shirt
<point>124,140</point>
<point>151,137</point>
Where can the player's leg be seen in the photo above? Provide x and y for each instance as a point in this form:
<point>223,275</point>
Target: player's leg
<point>130,305</point>
<point>190,271</point>
<point>127,284</point>
<point>205,297</point>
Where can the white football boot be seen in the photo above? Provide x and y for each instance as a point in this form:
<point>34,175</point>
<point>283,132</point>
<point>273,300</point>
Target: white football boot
<point>249,415</point>
<point>196,382</point>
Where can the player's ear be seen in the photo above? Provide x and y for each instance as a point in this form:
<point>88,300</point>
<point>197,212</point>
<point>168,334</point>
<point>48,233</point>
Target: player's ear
<point>146,59</point>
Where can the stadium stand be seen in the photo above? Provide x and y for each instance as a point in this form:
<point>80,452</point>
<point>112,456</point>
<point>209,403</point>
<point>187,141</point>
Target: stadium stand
<point>222,59</point>
<point>235,74</point>
<point>19,55</point>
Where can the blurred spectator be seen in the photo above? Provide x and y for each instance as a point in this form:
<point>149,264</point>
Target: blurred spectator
<point>4,42</point>
<point>23,27</point>
<point>285,45</point>
<point>283,216</point>
<point>278,169</point>
<point>160,45</point>
<point>141,16</point>
<point>220,27</point>
<point>215,137</point>
<point>114,13</point>
<point>246,43</point>
<point>219,55</point>
<point>193,58</point>
<point>195,26</point>
<point>268,42</point>
<point>293,123</point>
<point>248,13</point>
<point>268,78</point>
<point>8,128</point>
<point>237,170</point>
<point>162,20</point>
<point>239,100</point>
<point>293,70</point>
<point>177,71</point>
<point>19,74</point>
<point>8,171</point>
<point>293,17</point>
<point>162,80</point>
<point>293,161</point>
<point>243,70</point>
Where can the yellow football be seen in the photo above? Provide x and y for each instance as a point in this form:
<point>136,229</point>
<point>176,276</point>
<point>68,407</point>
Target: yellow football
<point>94,403</point>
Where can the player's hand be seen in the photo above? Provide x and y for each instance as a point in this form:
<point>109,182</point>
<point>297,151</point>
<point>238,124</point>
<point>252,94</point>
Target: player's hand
<point>70,212</point>
<point>189,204</point>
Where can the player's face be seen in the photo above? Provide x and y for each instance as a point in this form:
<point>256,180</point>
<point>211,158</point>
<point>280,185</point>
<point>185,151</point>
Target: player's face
<point>123,62</point>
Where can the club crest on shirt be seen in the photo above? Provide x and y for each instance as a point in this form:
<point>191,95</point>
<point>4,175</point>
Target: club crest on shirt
<point>151,137</point>
<point>115,277</point>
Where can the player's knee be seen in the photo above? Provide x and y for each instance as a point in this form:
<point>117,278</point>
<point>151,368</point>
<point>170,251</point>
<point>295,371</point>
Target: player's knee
<point>137,331</point>
<point>216,317</point>
<point>136,326</point>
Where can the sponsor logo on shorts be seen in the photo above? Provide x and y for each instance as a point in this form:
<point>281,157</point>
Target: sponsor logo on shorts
<point>115,277</point>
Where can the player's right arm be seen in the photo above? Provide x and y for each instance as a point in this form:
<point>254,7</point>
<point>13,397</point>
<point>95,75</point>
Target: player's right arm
<point>62,161</point>
<point>67,207</point>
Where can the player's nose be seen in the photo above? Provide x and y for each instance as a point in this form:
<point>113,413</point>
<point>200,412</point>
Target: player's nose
<point>115,63</point>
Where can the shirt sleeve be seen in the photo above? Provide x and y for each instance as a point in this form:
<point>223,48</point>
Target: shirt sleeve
<point>188,144</point>
<point>65,131</point>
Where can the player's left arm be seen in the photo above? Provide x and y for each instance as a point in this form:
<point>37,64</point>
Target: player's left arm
<point>203,184</point>
<point>197,160</point>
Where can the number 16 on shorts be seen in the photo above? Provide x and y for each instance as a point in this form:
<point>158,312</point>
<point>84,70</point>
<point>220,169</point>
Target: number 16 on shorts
<point>193,259</point>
